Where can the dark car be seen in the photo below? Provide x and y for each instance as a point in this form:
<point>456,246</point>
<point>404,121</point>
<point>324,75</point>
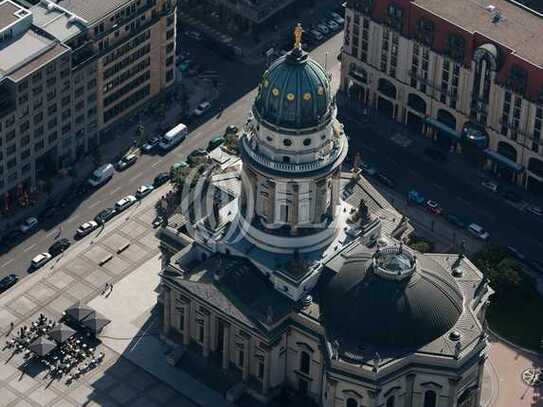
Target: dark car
<point>455,220</point>
<point>150,145</point>
<point>383,179</point>
<point>59,246</point>
<point>161,178</point>
<point>48,212</point>
<point>13,237</point>
<point>197,156</point>
<point>436,155</point>
<point>127,161</point>
<point>104,216</point>
<point>8,281</point>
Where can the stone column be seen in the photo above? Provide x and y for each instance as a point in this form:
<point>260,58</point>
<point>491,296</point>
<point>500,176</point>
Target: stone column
<point>266,378</point>
<point>207,321</point>
<point>482,362</point>
<point>226,347</point>
<point>453,383</point>
<point>187,324</point>
<point>166,317</point>
<point>332,392</point>
<point>245,369</point>
<point>409,391</point>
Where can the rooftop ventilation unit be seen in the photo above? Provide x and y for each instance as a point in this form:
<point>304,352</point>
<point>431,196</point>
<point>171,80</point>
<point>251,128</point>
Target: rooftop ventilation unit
<point>491,8</point>
<point>497,17</point>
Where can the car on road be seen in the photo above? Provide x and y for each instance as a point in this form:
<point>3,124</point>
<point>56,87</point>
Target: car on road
<point>201,109</point>
<point>385,180</point>
<point>104,215</point>
<point>516,253</point>
<point>8,282</point>
<point>315,35</point>
<point>144,190</point>
<point>127,161</point>
<point>512,197</point>
<point>101,175</point>
<point>332,25</point>
<point>59,247</point>
<point>161,179</point>
<point>85,228</point>
<point>158,221</point>
<point>40,260</point>
<point>478,231</point>
<point>367,169</point>
<point>125,203</point>
<point>455,220</point>
<point>194,35</point>
<point>322,29</point>
<point>150,145</point>
<point>197,156</point>
<point>416,197</point>
<point>436,155</point>
<point>28,224</point>
<point>535,210</point>
<point>214,143</point>
<point>490,185</point>
<point>337,18</point>
<point>433,207</point>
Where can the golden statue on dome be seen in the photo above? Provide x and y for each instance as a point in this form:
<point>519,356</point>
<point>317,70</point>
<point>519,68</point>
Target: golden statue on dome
<point>298,31</point>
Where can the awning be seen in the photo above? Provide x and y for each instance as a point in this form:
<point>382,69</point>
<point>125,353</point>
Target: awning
<point>494,155</point>
<point>79,311</point>
<point>96,322</point>
<point>444,128</point>
<point>42,346</point>
<point>61,333</point>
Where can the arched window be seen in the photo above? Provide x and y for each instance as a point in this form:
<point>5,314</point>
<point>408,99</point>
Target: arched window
<point>351,402</point>
<point>304,362</point>
<point>390,401</point>
<point>430,399</point>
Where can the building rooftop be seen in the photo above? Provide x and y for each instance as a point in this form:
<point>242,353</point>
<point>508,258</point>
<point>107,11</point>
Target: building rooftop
<point>28,53</point>
<point>55,22</point>
<point>10,13</point>
<point>90,11</point>
<point>518,28</point>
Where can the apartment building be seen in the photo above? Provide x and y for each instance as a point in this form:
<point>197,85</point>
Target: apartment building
<point>468,73</point>
<point>82,67</point>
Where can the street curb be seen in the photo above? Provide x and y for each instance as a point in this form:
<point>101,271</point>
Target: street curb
<point>515,346</point>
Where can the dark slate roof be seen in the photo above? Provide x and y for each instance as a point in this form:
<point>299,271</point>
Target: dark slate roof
<point>361,308</point>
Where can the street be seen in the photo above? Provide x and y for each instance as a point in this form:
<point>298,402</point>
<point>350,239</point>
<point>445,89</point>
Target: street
<point>406,165</point>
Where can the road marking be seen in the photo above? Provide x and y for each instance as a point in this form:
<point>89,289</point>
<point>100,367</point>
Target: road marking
<point>136,177</point>
<point>115,190</point>
<point>94,204</point>
<point>53,232</point>
<point>29,247</point>
<point>7,262</point>
<point>157,163</point>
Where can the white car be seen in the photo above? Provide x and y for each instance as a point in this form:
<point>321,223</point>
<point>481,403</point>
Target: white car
<point>28,225</point>
<point>40,260</point>
<point>144,190</point>
<point>535,210</point>
<point>201,109</point>
<point>332,25</point>
<point>492,186</point>
<point>337,18</point>
<point>87,228</point>
<point>478,231</point>
<point>125,203</point>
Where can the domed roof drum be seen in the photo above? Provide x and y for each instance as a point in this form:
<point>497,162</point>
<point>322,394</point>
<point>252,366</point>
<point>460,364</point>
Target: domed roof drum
<point>294,92</point>
<point>391,299</point>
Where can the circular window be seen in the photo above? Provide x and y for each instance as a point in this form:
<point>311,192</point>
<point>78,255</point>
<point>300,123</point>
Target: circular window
<point>307,141</point>
<point>266,83</point>
<point>320,90</point>
<point>290,97</point>
<point>287,142</point>
<point>269,138</point>
<point>307,96</point>
<point>275,92</point>
<point>323,136</point>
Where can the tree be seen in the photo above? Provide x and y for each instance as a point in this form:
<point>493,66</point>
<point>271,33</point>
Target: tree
<point>502,271</point>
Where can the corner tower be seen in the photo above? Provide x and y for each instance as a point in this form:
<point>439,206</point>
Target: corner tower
<point>292,150</point>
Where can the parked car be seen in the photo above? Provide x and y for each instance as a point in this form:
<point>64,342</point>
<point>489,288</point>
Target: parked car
<point>455,220</point>
<point>535,210</point>
<point>317,36</point>
<point>492,186</point>
<point>337,18</point>
<point>104,215</point>
<point>416,197</point>
<point>144,190</point>
<point>197,156</point>
<point>158,221</point>
<point>194,35</point>
<point>101,175</point>
<point>28,224</point>
<point>324,30</point>
<point>12,237</point>
<point>161,178</point>
<point>516,253</point>
<point>85,228</point>
<point>478,231</point>
<point>125,203</point>
<point>332,25</point>
<point>127,161</point>
<point>59,247</point>
<point>40,260</point>
<point>150,145</point>
<point>433,207</point>
<point>436,155</point>
<point>8,282</point>
<point>383,179</point>
<point>201,109</point>
<point>367,169</point>
<point>214,143</point>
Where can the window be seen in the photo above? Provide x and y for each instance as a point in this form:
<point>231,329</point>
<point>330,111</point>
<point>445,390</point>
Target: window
<point>352,402</point>
<point>25,154</point>
<point>169,75</point>
<point>201,333</point>
<point>52,109</point>
<point>11,149</point>
<point>53,137</point>
<point>241,358</point>
<point>287,142</point>
<point>38,117</point>
<point>430,399</point>
<point>304,362</point>
<point>24,126</point>
<point>260,371</point>
<point>390,401</point>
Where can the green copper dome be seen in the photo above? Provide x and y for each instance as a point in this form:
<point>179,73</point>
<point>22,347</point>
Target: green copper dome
<point>294,92</point>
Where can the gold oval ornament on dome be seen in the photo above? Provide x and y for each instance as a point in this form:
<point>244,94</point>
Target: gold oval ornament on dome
<point>307,96</point>
<point>290,97</point>
<point>266,83</point>
<point>275,92</point>
<point>320,90</point>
